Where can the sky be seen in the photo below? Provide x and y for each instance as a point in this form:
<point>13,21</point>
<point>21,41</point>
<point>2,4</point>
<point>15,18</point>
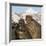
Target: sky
<point>21,9</point>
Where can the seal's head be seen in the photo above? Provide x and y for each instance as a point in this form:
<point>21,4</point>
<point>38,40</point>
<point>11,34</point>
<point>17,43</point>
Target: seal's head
<point>28,19</point>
